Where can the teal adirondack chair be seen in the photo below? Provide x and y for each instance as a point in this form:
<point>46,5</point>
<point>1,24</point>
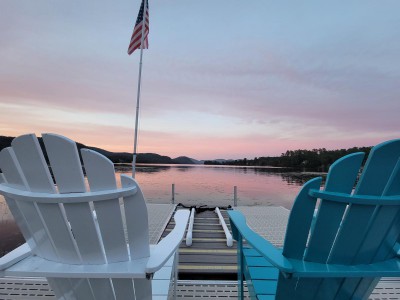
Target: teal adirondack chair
<point>340,252</point>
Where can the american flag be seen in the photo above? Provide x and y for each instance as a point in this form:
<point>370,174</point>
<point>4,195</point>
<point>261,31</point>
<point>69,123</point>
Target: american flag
<point>137,31</point>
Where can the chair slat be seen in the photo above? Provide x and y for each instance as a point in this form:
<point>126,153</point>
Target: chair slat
<point>138,233</point>
<point>347,289</point>
<point>60,232</point>
<point>378,168</point>
<point>393,185</point>
<point>328,219</point>
<point>52,215</point>
<point>351,234</point>
<point>143,289</point>
<point>392,188</point>
<point>39,231</point>
<point>286,288</point>
<point>33,164</point>
<point>22,225</point>
<point>136,221</point>
<point>328,288</point>
<point>81,287</point>
<point>102,289</point>
<point>123,289</point>
<point>377,235</point>
<point>386,248</point>
<point>360,218</point>
<point>306,288</point>
<point>383,233</point>
<point>99,171</point>
<point>65,164</point>
<point>12,175</point>
<point>112,230</point>
<point>62,288</point>
<point>101,176</point>
<point>12,172</point>
<point>365,288</point>
<point>64,158</point>
<point>72,288</point>
<point>84,230</point>
<point>300,221</point>
<point>341,178</point>
<point>34,168</point>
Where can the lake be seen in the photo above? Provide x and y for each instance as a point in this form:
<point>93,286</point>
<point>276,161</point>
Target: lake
<point>195,185</point>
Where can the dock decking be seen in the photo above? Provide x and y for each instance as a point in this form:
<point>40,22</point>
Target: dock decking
<point>208,258</point>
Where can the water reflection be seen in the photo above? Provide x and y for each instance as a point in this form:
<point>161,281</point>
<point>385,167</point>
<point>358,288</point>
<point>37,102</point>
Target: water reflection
<point>213,185</point>
<point>301,178</point>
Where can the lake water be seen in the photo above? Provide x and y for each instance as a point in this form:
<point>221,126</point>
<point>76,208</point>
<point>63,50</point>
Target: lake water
<point>214,185</point>
<point>195,185</point>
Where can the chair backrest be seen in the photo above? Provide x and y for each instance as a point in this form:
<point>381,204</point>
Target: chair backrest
<point>85,230</point>
<point>346,233</point>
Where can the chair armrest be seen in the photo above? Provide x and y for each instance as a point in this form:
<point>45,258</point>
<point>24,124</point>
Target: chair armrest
<point>355,199</point>
<point>265,248</point>
<point>387,268</point>
<point>14,256</point>
<point>21,195</point>
<point>168,245</point>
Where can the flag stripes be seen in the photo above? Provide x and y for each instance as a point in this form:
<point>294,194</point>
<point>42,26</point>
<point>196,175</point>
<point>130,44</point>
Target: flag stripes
<point>136,38</point>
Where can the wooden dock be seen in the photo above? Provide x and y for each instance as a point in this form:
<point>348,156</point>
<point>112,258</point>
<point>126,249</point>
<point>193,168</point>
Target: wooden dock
<point>208,258</point>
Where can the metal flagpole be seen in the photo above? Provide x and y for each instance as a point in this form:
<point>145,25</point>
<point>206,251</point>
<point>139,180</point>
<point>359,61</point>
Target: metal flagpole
<point>138,90</point>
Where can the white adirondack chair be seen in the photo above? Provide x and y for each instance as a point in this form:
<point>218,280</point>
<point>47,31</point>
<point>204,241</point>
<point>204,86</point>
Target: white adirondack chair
<point>88,244</point>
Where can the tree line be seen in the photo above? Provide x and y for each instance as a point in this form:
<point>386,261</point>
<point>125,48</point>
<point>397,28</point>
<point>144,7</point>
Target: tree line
<point>315,159</point>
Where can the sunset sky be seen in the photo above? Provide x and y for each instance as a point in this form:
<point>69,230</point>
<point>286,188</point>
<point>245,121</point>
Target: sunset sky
<point>221,79</point>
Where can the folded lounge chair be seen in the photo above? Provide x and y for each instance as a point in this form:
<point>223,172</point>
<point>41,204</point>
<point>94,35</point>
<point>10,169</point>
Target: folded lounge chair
<point>89,244</point>
<point>341,251</point>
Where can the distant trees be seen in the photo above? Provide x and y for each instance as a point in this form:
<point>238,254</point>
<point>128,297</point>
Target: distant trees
<point>315,159</point>
<point>213,162</point>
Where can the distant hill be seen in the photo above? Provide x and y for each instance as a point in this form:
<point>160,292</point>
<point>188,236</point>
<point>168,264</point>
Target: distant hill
<point>153,158</point>
<point>219,161</point>
<point>116,157</point>
<point>5,141</point>
<point>197,162</point>
<point>222,161</point>
<point>185,160</point>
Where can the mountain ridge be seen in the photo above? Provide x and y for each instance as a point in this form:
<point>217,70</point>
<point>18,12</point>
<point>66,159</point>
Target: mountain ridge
<point>117,157</point>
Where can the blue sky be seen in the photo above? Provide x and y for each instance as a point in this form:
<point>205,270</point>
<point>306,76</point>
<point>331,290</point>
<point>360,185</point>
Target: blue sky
<point>221,79</point>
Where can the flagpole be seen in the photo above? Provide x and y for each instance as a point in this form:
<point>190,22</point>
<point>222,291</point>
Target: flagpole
<point>138,91</point>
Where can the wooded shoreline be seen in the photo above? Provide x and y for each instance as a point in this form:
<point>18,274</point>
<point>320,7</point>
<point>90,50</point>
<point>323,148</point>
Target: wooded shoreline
<point>315,159</point>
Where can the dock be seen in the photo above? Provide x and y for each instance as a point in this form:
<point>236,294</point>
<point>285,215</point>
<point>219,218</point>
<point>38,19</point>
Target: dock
<point>207,269</point>
<point>208,258</point>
